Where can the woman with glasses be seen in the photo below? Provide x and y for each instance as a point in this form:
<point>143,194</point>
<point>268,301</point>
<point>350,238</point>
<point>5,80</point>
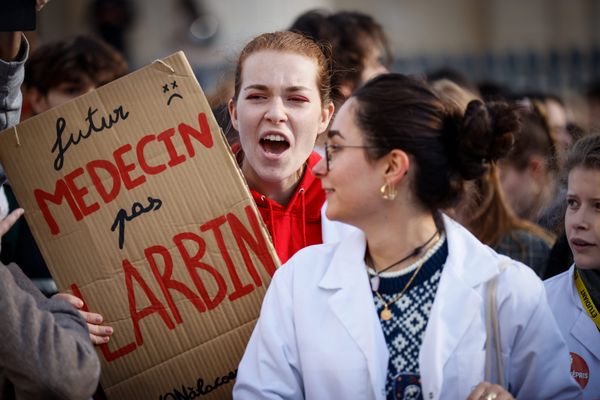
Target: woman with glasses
<point>396,310</point>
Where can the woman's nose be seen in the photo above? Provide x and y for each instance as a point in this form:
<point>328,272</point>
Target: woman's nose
<point>580,219</point>
<point>320,168</point>
<point>276,111</point>
<point>575,219</point>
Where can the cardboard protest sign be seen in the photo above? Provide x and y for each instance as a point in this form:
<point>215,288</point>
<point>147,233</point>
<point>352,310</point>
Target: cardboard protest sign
<point>139,208</point>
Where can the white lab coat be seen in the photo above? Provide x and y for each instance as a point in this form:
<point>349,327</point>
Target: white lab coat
<point>577,327</point>
<point>319,336</point>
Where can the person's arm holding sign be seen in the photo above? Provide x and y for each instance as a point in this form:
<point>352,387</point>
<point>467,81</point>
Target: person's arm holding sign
<point>44,351</point>
<point>13,53</point>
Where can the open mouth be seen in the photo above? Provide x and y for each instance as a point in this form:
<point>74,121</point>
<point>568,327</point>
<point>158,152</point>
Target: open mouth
<point>274,144</point>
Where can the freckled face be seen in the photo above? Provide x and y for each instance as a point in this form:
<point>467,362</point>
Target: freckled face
<point>582,218</point>
<point>278,115</point>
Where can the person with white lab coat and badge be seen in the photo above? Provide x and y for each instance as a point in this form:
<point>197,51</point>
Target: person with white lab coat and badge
<point>574,295</point>
<point>397,310</point>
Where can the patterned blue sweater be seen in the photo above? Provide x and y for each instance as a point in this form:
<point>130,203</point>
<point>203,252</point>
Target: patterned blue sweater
<point>405,330</point>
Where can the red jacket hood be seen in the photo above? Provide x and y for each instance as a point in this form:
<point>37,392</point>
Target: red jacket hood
<point>297,224</point>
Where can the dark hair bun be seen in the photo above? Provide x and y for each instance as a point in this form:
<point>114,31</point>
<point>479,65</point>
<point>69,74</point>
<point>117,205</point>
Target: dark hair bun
<point>449,145</point>
<point>484,134</point>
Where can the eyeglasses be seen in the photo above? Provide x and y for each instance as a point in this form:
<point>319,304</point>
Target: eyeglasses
<point>332,148</point>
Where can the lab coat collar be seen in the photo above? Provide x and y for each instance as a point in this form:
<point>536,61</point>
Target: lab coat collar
<point>464,257</point>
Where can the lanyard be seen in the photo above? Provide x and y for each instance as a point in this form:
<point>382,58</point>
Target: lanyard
<point>586,300</point>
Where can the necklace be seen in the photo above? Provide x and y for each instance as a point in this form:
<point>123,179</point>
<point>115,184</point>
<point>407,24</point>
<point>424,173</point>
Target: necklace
<point>386,314</point>
<point>375,280</point>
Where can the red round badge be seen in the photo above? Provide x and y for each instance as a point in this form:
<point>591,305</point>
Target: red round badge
<point>579,370</point>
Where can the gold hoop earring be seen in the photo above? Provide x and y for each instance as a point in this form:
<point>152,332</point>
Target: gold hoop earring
<point>388,191</point>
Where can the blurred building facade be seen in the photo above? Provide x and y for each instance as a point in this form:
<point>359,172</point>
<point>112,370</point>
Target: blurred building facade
<point>551,45</point>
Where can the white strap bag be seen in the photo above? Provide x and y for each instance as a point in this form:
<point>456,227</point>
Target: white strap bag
<point>493,345</point>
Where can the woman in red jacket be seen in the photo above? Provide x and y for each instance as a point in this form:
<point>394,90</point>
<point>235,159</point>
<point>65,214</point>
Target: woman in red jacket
<point>281,103</point>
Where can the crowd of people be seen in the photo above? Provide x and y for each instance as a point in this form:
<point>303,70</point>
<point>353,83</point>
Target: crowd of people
<point>417,219</point>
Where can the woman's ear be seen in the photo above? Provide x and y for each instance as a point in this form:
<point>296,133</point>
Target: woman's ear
<point>536,168</point>
<point>397,166</point>
<point>233,114</point>
<point>326,115</point>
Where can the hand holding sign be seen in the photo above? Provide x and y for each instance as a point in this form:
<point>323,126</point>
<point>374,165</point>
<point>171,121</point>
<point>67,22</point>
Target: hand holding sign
<point>10,220</point>
<point>99,334</point>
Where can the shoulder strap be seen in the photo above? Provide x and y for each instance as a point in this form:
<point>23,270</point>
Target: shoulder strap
<point>493,346</point>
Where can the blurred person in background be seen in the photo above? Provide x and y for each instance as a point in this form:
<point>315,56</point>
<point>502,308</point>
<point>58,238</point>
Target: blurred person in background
<point>63,70</point>
<point>485,211</point>
<point>529,174</point>
<point>557,120</point>
<point>553,112</point>
<point>360,49</point>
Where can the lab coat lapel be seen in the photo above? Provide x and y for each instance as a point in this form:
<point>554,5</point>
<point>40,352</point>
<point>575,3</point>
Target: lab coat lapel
<point>457,304</point>
<point>586,333</point>
<point>454,309</point>
<point>352,303</point>
<point>584,329</point>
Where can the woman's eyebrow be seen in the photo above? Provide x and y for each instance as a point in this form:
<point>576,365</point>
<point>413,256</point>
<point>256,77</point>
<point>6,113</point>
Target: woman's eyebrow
<point>256,87</point>
<point>332,133</point>
<point>296,89</point>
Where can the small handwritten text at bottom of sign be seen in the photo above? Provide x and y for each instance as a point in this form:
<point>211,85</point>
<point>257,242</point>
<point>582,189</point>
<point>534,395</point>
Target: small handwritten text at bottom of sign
<point>188,393</point>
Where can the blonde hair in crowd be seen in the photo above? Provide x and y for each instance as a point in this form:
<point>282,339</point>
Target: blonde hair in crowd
<point>484,211</point>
